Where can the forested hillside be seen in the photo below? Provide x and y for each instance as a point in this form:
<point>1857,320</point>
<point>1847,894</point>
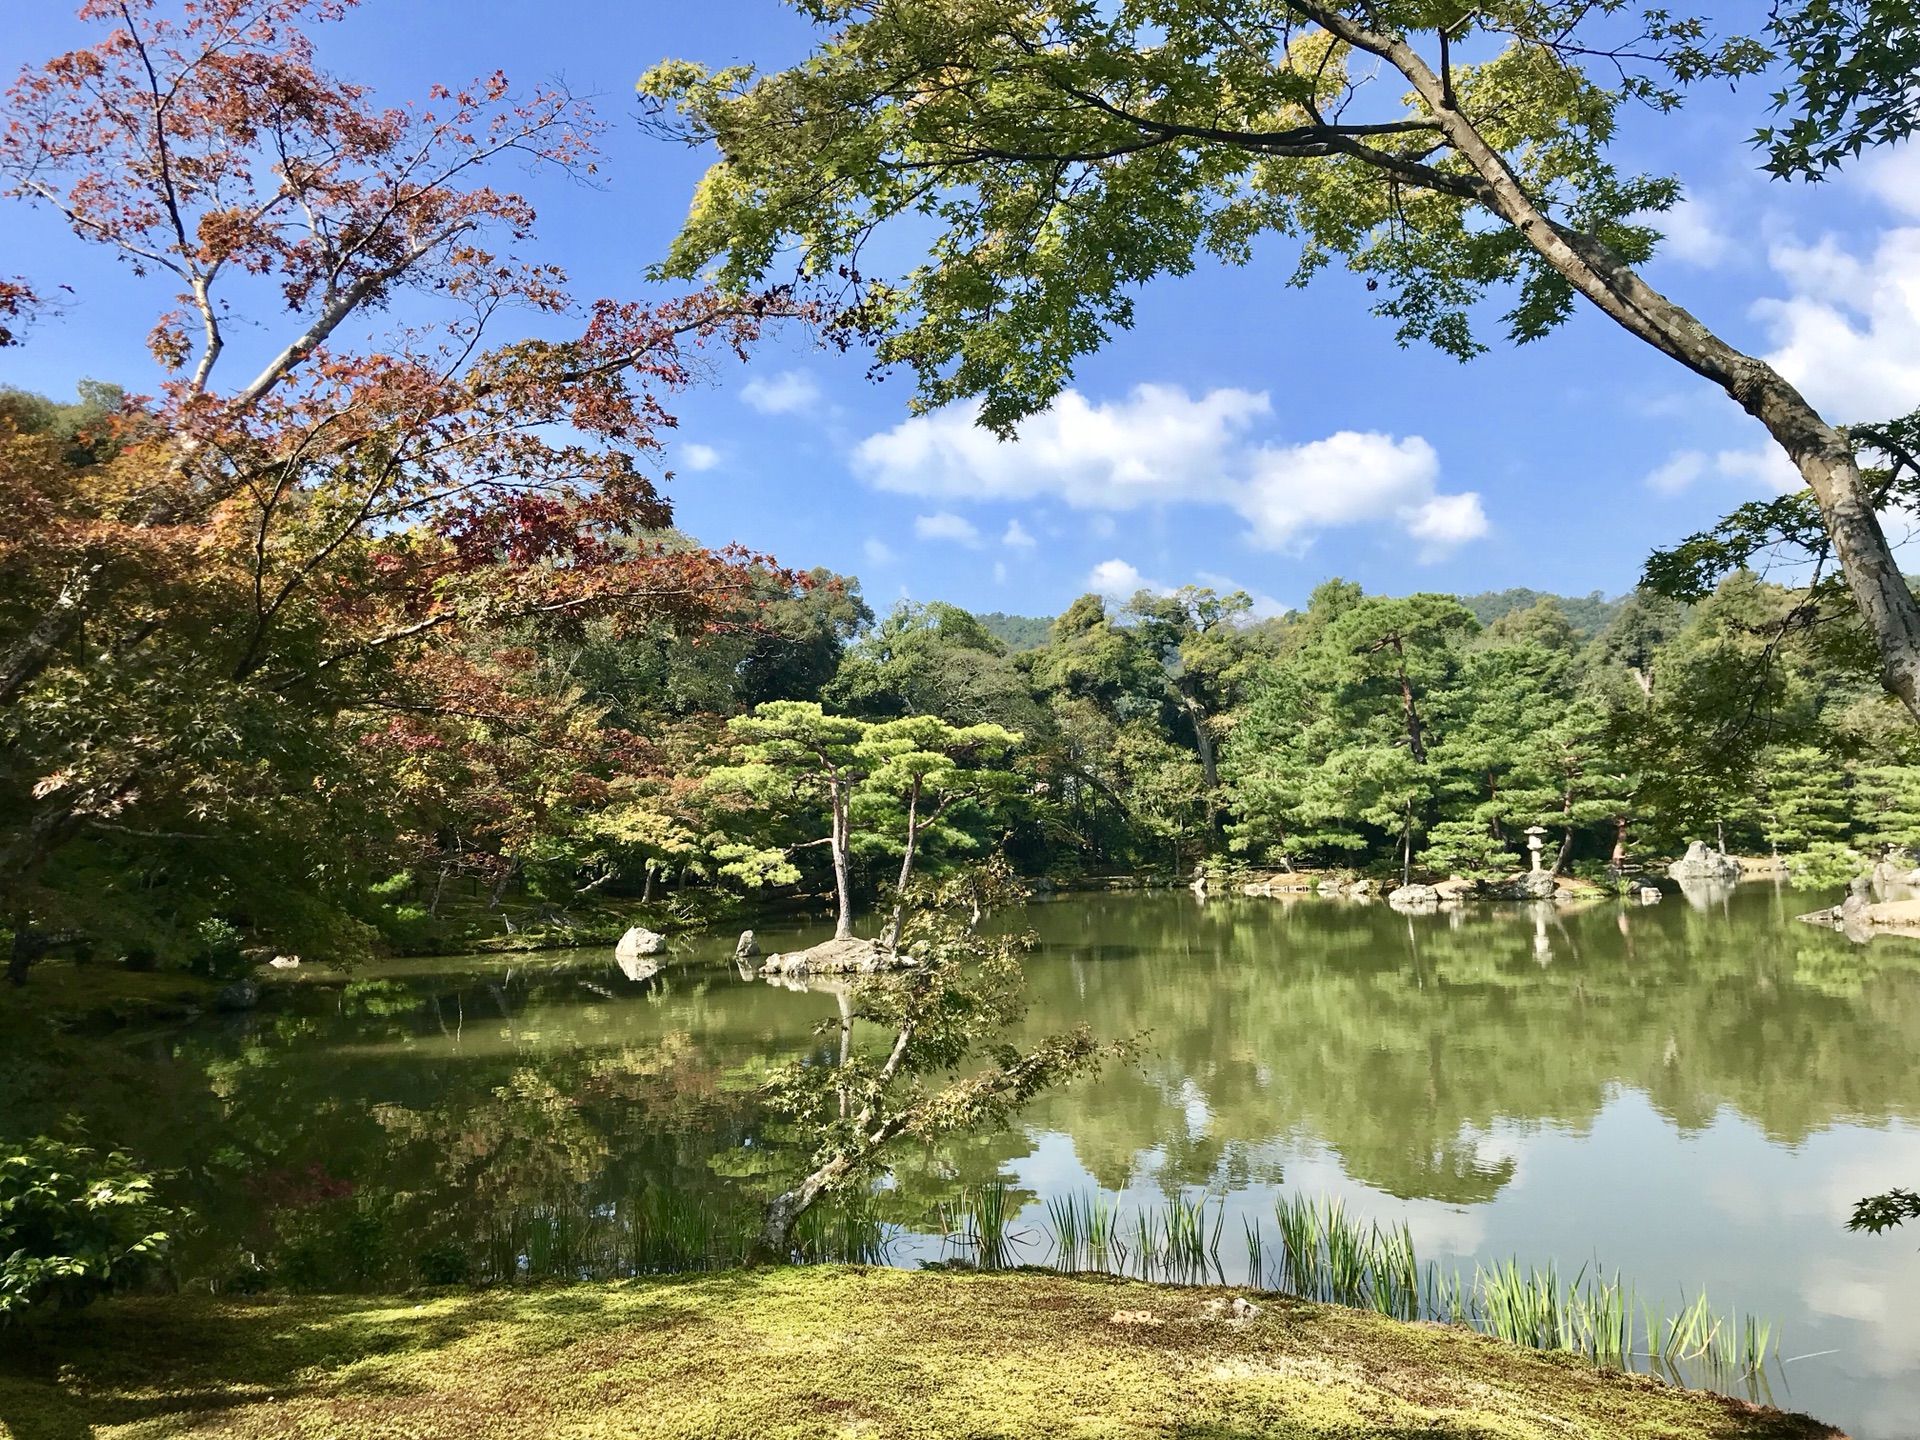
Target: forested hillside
<point>1018,632</point>
<point>1588,614</point>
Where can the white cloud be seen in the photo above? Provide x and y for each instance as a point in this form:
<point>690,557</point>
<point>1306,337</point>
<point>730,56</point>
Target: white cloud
<point>879,552</point>
<point>1348,478</point>
<point>1693,234</point>
<point>1117,580</point>
<point>1765,468</point>
<point>1848,330</point>
<point>1163,446</point>
<point>1893,178</point>
<point>1767,465</point>
<point>1016,537</point>
<point>1447,520</point>
<point>699,457</point>
<point>781,394</point>
<point>1680,471</point>
<point>946,526</point>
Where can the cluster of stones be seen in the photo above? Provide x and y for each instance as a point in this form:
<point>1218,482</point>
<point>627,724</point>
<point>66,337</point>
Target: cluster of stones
<point>836,957</point>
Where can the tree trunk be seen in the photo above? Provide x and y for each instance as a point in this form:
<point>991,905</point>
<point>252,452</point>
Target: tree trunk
<point>1209,764</point>
<point>774,1244</point>
<point>1566,852</point>
<point>1820,452</point>
<point>59,624</point>
<point>1566,835</point>
<point>842,882</point>
<point>1619,857</point>
<point>28,944</point>
<point>906,868</point>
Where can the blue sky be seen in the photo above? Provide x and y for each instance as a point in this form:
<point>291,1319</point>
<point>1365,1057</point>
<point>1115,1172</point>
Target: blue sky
<point>1243,433</point>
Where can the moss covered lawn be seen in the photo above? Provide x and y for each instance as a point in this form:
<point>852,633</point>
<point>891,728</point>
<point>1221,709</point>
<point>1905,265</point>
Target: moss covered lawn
<point>826,1351</point>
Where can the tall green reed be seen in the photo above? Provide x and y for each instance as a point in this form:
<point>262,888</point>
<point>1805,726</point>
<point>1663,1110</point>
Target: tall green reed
<point>1327,1255</point>
<point>979,1222</point>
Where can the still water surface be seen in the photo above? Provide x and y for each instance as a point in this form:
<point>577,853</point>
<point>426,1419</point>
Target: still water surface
<point>1690,1093</point>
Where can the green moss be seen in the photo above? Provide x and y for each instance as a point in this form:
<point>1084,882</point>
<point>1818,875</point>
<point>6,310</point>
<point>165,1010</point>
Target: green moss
<point>61,993</point>
<point>826,1351</point>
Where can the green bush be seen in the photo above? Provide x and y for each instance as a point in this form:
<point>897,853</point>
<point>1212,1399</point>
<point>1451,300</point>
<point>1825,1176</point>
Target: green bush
<point>74,1224</point>
<point>1825,863</point>
<point>217,955</point>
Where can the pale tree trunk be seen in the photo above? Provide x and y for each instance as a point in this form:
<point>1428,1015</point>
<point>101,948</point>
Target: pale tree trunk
<point>22,664</point>
<point>906,868</point>
<point>1566,836</point>
<point>1818,450</point>
<point>774,1244</point>
<point>842,882</point>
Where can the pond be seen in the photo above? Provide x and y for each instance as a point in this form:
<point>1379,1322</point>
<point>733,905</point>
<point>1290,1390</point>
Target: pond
<point>1691,1093</point>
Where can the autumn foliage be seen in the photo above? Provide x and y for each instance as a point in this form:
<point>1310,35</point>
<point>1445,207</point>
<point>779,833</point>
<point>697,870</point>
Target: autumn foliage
<point>235,611</point>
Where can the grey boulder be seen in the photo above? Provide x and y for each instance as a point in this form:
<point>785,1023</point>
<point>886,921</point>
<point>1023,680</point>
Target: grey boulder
<point>1700,863</point>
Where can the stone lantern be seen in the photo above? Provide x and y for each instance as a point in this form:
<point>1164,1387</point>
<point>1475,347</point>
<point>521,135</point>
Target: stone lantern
<point>1534,833</point>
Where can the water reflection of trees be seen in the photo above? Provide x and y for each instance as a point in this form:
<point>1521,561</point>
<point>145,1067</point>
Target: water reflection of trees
<point>486,1123</point>
<point>1398,1040</point>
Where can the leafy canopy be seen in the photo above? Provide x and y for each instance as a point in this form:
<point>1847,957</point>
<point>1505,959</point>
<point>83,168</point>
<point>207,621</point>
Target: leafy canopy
<point>1063,152</point>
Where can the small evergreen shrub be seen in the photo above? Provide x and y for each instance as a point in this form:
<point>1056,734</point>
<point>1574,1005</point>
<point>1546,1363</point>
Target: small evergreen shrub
<point>218,954</point>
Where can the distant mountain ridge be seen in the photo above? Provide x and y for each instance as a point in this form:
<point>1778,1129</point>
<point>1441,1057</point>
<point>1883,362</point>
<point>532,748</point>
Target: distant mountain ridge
<point>1588,613</point>
<point>1017,632</point>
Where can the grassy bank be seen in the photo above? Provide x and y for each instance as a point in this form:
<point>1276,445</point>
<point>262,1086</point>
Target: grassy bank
<point>821,1351</point>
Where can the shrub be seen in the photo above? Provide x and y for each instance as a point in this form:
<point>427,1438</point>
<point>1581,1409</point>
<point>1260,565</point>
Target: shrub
<point>1825,863</point>
<point>74,1224</point>
<point>217,955</point>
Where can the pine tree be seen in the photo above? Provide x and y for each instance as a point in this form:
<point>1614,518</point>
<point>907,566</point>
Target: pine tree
<point>1803,798</point>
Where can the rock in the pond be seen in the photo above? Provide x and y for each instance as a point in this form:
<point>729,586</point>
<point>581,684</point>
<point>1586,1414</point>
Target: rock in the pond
<point>638,942</point>
<point>1701,863</point>
<point>1361,888</point>
<point>240,995</point>
<point>836,957</point>
<point>746,947</point>
<point>638,953</point>
<point>285,962</point>
<point>1644,892</point>
<point>1414,897</point>
<point>1539,886</point>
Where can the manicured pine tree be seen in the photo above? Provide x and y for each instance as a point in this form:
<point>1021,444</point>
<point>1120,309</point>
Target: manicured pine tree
<point>1803,798</point>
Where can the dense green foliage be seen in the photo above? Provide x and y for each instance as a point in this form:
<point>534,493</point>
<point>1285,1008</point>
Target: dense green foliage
<point>74,1224</point>
<point>1064,153</point>
<point>1404,721</point>
<point>553,775</point>
<point>1854,82</point>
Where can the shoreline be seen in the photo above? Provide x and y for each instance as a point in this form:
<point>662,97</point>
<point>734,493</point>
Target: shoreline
<point>814,1351</point>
